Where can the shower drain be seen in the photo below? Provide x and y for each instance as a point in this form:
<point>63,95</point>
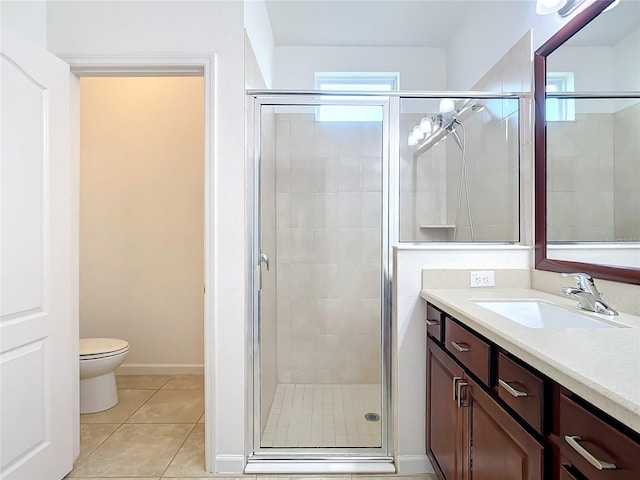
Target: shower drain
<point>372,417</point>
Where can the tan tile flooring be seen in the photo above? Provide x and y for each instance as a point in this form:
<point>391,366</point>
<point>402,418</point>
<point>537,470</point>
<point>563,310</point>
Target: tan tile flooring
<point>157,432</point>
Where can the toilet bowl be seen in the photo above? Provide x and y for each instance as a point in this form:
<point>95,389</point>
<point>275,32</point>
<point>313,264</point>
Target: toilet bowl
<point>99,358</point>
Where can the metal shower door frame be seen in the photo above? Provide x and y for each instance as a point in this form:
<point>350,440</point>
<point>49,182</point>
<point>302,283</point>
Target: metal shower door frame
<point>351,459</point>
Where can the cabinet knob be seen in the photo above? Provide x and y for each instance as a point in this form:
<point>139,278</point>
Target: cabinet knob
<point>431,323</point>
<point>511,390</point>
<point>573,440</point>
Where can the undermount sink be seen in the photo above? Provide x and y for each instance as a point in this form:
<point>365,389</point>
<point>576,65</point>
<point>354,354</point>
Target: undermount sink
<point>539,314</point>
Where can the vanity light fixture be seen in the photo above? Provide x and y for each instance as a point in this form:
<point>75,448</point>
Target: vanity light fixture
<point>412,141</point>
<point>446,105</point>
<point>570,7</point>
<point>613,5</point>
<point>417,132</point>
<point>545,7</point>
<point>426,125</point>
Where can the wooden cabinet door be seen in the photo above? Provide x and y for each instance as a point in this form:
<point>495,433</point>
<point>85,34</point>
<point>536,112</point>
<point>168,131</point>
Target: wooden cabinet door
<point>496,446</point>
<point>444,418</point>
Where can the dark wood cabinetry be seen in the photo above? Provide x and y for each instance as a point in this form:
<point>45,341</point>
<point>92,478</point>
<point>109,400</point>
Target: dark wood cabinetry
<point>499,448</point>
<point>470,350</point>
<point>591,447</point>
<point>469,435</point>
<point>444,417</point>
<point>492,417</point>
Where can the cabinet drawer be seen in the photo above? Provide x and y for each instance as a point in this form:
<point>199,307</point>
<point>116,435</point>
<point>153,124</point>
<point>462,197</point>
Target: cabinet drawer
<point>522,390</point>
<point>434,322</point>
<point>473,352</point>
<point>583,435</point>
<point>565,474</point>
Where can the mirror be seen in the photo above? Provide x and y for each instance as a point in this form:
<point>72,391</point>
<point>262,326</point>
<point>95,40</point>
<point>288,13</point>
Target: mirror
<point>587,134</point>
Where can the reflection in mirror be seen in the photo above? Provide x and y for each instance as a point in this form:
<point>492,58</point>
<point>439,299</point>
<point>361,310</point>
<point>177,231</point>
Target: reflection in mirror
<point>592,118</point>
<point>593,179</point>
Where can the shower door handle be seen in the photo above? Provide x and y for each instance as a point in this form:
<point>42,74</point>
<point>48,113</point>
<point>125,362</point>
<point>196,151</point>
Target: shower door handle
<point>264,258</point>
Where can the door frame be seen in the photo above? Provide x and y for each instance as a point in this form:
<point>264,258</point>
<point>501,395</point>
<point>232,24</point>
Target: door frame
<point>161,65</point>
<point>311,460</point>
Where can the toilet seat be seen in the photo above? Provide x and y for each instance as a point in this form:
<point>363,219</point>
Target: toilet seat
<point>93,348</point>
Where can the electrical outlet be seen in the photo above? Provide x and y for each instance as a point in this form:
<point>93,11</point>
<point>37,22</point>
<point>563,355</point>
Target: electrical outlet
<point>482,279</point>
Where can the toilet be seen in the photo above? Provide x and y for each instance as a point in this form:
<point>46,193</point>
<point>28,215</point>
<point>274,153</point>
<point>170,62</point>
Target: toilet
<point>99,358</point>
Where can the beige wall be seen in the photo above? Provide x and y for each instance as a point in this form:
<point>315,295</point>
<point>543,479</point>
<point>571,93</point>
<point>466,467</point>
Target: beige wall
<point>141,217</point>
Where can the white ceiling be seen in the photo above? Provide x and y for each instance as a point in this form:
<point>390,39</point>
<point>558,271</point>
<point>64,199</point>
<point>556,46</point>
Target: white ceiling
<point>430,23</point>
<point>610,27</point>
<point>366,22</point>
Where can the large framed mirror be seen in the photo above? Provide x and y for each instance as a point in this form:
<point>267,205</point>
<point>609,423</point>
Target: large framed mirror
<point>587,142</point>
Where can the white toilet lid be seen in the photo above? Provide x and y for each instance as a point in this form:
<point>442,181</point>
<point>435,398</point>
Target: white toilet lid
<point>95,346</point>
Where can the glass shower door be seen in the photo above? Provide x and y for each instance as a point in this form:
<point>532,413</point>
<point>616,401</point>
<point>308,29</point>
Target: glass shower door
<point>321,355</point>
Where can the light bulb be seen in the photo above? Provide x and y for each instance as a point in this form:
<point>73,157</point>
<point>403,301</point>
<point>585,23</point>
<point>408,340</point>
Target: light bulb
<point>416,132</point>
<point>544,7</point>
<point>446,105</point>
<point>425,125</point>
<point>413,141</point>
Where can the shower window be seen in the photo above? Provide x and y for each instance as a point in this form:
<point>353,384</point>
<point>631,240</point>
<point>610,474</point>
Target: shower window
<point>353,82</point>
<point>560,109</point>
<point>459,170</point>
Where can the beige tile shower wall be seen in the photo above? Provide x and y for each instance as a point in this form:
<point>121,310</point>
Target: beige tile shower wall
<point>328,254</point>
<point>141,217</point>
<point>499,156</point>
<point>627,174</point>
<point>580,167</point>
<point>423,198</point>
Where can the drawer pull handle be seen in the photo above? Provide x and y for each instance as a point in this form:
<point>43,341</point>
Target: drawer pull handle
<point>573,440</point>
<point>455,386</point>
<point>512,391</point>
<point>431,323</point>
<point>461,347</point>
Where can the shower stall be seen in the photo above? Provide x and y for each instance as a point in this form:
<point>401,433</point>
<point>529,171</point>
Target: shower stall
<point>329,183</point>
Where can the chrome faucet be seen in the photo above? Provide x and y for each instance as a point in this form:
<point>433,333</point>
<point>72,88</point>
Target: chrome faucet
<point>588,296</point>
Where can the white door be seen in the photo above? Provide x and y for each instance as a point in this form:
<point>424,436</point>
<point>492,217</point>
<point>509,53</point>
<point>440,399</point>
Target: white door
<point>37,318</point>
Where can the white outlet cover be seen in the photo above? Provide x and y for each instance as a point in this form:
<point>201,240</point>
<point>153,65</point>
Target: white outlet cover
<point>484,278</point>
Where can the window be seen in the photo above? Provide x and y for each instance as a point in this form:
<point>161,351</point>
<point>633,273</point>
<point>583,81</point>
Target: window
<point>560,109</point>
<point>356,82</point>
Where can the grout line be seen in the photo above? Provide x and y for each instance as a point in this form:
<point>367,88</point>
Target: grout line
<point>141,405</point>
<point>178,451</point>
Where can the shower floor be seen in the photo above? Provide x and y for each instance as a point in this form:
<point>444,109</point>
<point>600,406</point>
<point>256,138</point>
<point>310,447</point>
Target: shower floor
<point>311,415</point>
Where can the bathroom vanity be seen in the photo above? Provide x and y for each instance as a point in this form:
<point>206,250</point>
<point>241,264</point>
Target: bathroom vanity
<point>516,399</point>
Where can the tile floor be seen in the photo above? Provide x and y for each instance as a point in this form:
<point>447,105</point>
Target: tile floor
<point>307,415</point>
<point>157,432</point>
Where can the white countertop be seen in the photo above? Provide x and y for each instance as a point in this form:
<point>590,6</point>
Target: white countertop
<point>600,365</point>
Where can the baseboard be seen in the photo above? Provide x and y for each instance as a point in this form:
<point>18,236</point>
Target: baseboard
<point>160,369</point>
<point>413,464</point>
<point>233,464</point>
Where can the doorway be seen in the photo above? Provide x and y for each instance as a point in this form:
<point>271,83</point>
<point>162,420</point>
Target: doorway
<point>141,219</point>
<point>142,203</point>
<point>321,307</point>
